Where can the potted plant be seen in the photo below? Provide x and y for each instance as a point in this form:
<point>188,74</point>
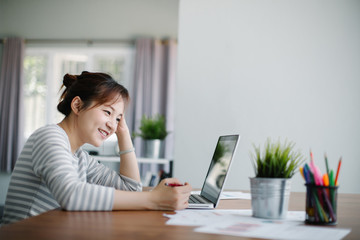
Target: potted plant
<point>153,132</point>
<point>274,168</point>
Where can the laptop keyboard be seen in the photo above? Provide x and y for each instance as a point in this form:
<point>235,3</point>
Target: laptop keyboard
<point>196,199</point>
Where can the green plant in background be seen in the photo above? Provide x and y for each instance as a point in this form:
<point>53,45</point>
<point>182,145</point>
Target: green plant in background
<point>152,127</point>
<point>278,160</point>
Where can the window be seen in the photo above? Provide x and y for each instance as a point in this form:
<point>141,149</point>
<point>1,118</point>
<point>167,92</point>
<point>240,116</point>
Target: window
<point>44,69</point>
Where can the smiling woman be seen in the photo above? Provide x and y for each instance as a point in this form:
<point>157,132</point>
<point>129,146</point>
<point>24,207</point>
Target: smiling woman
<point>85,85</point>
<point>105,101</point>
<point>53,171</point>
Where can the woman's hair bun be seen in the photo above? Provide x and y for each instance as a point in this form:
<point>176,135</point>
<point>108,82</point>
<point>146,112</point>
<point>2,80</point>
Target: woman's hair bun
<point>69,80</point>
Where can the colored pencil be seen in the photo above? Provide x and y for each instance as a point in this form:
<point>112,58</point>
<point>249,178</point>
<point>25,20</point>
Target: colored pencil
<point>337,172</point>
<point>327,165</point>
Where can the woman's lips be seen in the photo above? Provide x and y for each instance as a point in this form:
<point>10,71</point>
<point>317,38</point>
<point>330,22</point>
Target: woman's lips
<point>103,133</point>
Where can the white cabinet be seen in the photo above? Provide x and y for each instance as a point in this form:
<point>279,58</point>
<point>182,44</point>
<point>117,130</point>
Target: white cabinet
<point>151,170</point>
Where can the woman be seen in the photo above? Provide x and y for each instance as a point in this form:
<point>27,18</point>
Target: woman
<point>53,171</point>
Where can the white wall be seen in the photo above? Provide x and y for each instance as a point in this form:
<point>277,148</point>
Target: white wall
<point>288,69</point>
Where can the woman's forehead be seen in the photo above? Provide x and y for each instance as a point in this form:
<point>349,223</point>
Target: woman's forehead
<point>119,103</point>
<point>116,104</point>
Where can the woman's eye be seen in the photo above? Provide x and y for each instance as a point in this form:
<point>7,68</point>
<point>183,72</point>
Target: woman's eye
<point>118,120</point>
<point>107,112</point>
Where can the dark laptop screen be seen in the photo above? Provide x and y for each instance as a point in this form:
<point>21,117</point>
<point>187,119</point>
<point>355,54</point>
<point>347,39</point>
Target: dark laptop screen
<point>219,167</point>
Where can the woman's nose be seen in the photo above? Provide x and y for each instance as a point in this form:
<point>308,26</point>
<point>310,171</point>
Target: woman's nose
<point>111,124</point>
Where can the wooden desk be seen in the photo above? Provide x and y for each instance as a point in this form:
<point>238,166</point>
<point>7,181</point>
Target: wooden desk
<point>132,225</point>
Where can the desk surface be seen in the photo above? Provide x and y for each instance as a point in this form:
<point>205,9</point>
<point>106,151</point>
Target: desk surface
<point>132,225</point>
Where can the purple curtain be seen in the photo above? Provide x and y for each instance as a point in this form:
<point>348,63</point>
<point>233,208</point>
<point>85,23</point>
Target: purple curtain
<point>11,85</point>
<point>152,91</point>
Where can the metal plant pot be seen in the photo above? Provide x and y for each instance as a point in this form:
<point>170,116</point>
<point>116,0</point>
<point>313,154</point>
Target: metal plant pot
<point>270,197</point>
<point>153,148</point>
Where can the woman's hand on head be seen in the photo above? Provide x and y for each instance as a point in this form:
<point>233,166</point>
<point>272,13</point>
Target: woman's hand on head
<point>122,126</point>
<point>165,197</point>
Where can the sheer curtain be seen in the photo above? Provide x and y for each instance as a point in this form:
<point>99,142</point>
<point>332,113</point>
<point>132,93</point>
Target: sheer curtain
<point>11,103</point>
<point>152,91</point>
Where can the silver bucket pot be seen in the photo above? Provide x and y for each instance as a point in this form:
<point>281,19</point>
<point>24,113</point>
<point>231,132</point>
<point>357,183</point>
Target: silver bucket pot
<point>154,148</point>
<point>270,197</point>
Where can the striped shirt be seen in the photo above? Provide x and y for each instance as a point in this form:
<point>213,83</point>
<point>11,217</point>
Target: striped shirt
<point>48,175</point>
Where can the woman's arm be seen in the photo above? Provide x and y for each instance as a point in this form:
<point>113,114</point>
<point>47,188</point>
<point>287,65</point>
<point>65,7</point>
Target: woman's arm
<point>99,174</point>
<point>55,165</point>
<point>128,164</point>
<point>162,197</point>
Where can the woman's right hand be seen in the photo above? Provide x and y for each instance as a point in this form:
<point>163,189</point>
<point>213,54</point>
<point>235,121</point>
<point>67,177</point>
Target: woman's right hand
<point>165,197</point>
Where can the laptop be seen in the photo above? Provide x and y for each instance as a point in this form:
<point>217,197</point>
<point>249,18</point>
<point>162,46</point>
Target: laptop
<point>217,173</point>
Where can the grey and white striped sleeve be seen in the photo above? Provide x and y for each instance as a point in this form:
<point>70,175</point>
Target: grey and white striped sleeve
<point>54,163</point>
<point>99,174</point>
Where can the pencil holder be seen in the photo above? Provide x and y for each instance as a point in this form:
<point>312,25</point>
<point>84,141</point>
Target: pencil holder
<point>321,205</point>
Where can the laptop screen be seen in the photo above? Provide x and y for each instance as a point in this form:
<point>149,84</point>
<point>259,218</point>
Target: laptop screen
<point>219,167</point>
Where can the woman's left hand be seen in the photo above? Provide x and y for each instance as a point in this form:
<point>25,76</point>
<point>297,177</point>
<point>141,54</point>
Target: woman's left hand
<point>123,135</point>
<point>122,126</point>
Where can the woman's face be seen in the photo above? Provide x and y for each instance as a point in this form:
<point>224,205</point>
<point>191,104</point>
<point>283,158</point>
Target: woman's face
<point>96,124</point>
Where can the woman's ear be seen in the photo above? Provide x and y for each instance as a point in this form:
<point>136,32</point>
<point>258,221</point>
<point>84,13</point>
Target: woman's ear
<point>76,104</point>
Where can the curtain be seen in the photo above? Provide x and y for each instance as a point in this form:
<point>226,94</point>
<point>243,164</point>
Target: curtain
<point>153,90</point>
<point>11,85</point>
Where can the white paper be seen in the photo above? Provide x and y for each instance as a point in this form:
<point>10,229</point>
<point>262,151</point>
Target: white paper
<point>201,217</point>
<point>241,223</point>
<point>281,230</point>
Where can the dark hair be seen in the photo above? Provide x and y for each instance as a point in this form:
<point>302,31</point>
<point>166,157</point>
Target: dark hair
<point>90,87</point>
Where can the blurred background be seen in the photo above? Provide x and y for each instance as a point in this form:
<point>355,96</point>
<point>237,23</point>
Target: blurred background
<point>279,69</point>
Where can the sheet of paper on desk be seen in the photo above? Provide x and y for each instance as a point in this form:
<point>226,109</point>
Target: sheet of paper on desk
<point>241,223</point>
<point>230,195</point>
<point>268,230</point>
<point>190,217</point>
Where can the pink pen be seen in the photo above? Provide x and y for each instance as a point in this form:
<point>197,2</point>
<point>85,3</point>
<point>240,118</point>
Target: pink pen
<point>311,156</point>
<point>312,169</point>
<point>318,173</point>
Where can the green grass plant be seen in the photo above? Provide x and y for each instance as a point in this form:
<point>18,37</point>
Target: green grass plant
<point>152,127</point>
<point>277,161</point>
